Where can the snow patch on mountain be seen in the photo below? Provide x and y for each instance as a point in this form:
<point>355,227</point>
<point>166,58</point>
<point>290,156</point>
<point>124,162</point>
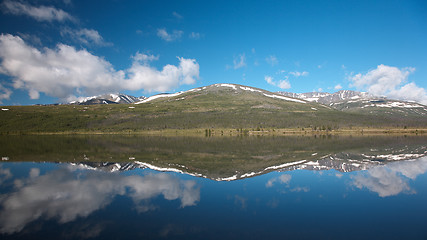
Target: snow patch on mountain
<point>167,95</point>
<point>284,98</point>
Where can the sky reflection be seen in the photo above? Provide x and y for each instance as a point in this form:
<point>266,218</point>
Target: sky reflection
<point>87,203</point>
<point>68,193</point>
<point>391,179</point>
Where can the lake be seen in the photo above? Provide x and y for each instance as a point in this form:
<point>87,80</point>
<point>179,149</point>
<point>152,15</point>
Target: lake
<point>133,187</point>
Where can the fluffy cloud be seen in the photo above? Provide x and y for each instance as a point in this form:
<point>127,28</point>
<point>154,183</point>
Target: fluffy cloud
<point>41,13</point>
<point>66,194</point>
<point>65,72</point>
<point>283,84</point>
<point>84,36</point>
<point>272,60</point>
<point>169,37</point>
<point>143,76</point>
<point>390,81</point>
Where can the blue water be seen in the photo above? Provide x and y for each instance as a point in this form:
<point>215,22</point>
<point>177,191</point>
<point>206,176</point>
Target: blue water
<point>61,201</point>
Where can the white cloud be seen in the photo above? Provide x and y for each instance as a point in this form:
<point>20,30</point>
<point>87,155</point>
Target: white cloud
<point>338,87</point>
<point>410,92</point>
<point>269,80</point>
<point>272,60</point>
<point>41,13</point>
<point>4,93</point>
<point>283,84</point>
<point>299,74</point>
<point>64,72</point>
<point>390,81</point>
<point>85,36</point>
<point>66,194</point>
<point>169,37</point>
<point>194,35</point>
<point>145,58</point>
<point>239,61</point>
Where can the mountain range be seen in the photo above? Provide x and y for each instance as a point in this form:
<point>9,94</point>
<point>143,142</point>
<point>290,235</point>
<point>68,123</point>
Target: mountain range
<point>319,97</point>
<point>347,100</point>
<point>231,107</point>
<point>344,100</point>
<point>111,98</point>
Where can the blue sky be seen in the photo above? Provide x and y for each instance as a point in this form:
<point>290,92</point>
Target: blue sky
<point>60,50</point>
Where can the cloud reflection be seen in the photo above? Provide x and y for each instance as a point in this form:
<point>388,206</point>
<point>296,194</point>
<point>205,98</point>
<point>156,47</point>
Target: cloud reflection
<point>391,179</point>
<point>66,194</point>
<point>4,174</point>
<point>283,179</point>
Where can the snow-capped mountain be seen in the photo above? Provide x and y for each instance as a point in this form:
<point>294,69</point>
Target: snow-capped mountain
<point>108,99</point>
<point>347,100</point>
<point>328,98</point>
<point>217,88</point>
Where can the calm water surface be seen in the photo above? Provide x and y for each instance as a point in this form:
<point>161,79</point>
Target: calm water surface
<point>213,188</point>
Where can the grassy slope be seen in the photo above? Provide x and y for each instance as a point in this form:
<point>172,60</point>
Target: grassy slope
<point>214,107</point>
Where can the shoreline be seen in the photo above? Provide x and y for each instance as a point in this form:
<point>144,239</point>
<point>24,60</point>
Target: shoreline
<point>218,132</point>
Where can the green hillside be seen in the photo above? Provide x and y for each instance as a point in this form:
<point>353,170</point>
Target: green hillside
<point>219,106</point>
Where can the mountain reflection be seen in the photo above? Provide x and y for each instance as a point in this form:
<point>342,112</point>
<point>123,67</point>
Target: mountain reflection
<point>391,179</point>
<point>68,193</point>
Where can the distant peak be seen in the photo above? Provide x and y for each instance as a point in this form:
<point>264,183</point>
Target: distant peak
<point>109,98</point>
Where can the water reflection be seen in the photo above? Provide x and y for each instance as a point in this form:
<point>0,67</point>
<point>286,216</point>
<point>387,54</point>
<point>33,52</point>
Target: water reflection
<point>283,179</point>
<point>140,188</point>
<point>68,193</point>
<point>391,179</point>
<point>4,174</point>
